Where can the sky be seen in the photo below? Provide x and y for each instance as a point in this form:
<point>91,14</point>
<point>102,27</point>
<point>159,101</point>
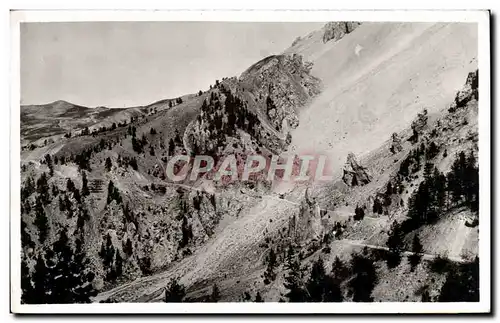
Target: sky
<point>123,64</point>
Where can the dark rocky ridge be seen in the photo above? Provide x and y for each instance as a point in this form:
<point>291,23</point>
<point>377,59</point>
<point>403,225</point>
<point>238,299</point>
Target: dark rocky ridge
<point>338,29</point>
<point>353,173</point>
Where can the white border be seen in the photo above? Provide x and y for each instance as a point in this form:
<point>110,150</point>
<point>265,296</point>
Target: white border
<point>480,17</point>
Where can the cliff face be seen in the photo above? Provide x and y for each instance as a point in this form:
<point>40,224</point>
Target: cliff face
<point>338,29</point>
<point>354,174</point>
<point>468,92</point>
<point>395,144</point>
<point>280,85</point>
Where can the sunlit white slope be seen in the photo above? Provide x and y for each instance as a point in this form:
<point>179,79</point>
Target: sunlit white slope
<point>377,79</point>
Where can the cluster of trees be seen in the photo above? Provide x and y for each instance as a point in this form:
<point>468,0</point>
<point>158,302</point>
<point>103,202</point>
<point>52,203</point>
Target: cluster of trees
<point>413,162</point>
<point>395,243</point>
<point>434,195</point>
<point>82,159</point>
<point>61,275</point>
<point>113,194</point>
<point>162,189</point>
<point>321,286</point>
<point>224,117</point>
<point>382,201</point>
<point>175,292</point>
<point>248,298</point>
<point>238,115</point>
<point>187,232</point>
<point>439,192</point>
<point>272,264</point>
<point>44,196</point>
<point>313,284</point>
<point>86,131</point>
<point>462,283</point>
<point>41,221</point>
<point>123,161</point>
<point>359,213</point>
<point>174,142</point>
<point>138,144</point>
<point>463,181</point>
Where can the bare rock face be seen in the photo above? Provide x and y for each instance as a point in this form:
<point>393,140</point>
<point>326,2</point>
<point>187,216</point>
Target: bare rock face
<point>396,144</point>
<point>354,174</point>
<point>281,84</point>
<point>469,91</point>
<point>338,29</point>
<point>420,122</point>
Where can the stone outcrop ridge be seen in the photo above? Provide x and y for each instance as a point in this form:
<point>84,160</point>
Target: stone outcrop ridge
<point>469,91</point>
<point>420,122</point>
<point>338,29</point>
<point>281,84</point>
<point>354,174</point>
<point>396,146</point>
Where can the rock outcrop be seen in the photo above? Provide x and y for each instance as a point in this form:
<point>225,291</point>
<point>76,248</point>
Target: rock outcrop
<point>354,173</point>
<point>281,84</point>
<point>338,29</point>
<point>469,91</point>
<point>396,146</point>
<point>420,122</point>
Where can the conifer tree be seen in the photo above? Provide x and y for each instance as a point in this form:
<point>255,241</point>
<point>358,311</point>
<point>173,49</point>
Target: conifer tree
<point>40,283</point>
<point>215,295</point>
<point>48,161</point>
<point>128,248</point>
<point>364,278</point>
<point>107,252</point>
<point>270,274</point>
<point>416,248</point>
<point>174,292</point>
<point>171,147</point>
<point>28,292</point>
<point>42,188</point>
<point>41,221</point>
<point>320,286</point>
<point>85,188</point>
<point>339,270</point>
<point>395,245</point>
<point>187,232</point>
<point>108,164</point>
<point>293,281</point>
<point>359,213</point>
<point>28,188</point>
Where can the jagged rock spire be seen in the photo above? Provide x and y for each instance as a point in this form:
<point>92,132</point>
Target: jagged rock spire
<point>338,29</point>
<point>396,144</point>
<point>354,174</point>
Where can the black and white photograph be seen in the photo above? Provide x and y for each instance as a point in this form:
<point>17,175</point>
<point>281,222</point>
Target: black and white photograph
<point>217,162</point>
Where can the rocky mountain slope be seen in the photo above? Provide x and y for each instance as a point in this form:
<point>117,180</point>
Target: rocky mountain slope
<point>373,96</point>
<point>323,223</point>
